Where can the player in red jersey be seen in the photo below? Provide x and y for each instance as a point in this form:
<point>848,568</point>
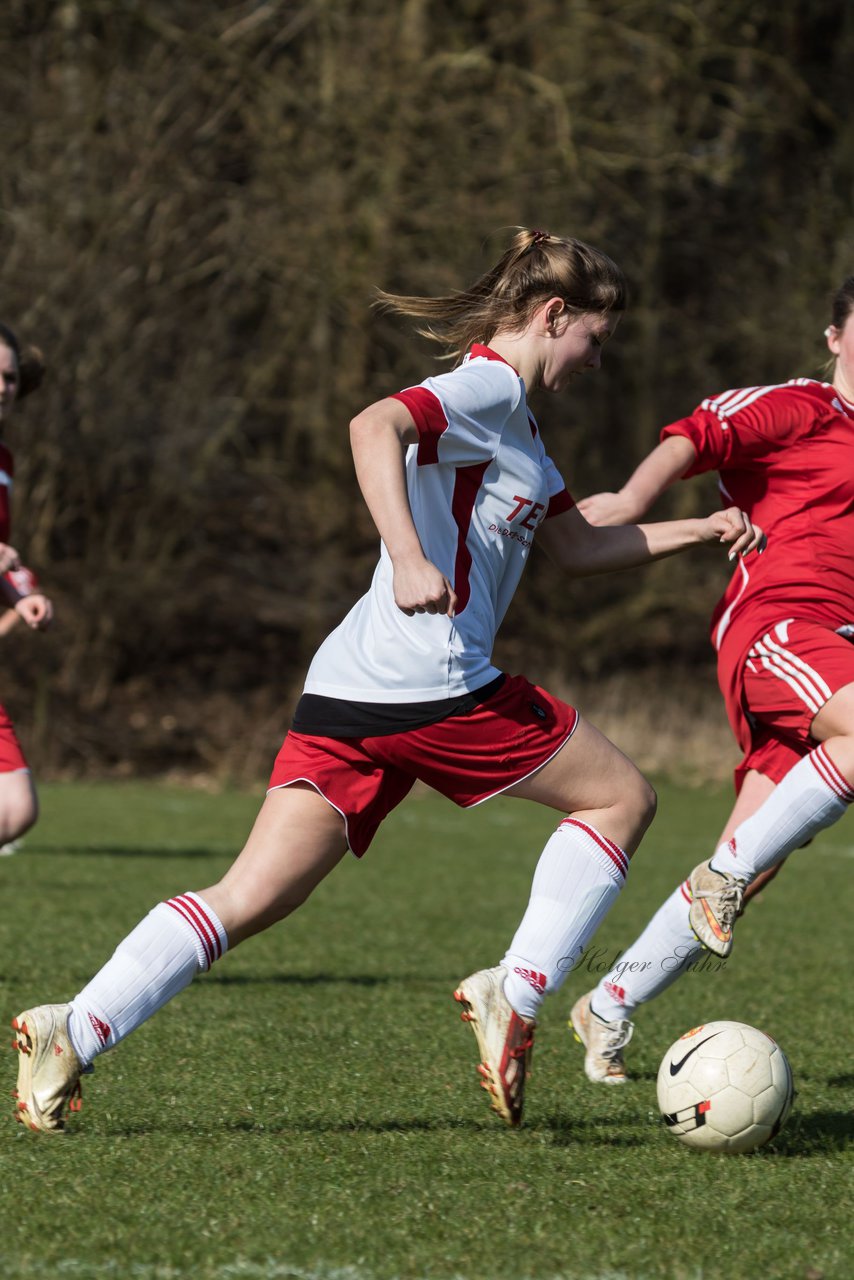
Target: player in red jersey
<point>458,482</point>
<point>782,632</point>
<point>19,375</point>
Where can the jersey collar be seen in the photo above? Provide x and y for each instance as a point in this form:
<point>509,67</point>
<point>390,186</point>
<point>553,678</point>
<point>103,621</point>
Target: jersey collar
<point>486,353</point>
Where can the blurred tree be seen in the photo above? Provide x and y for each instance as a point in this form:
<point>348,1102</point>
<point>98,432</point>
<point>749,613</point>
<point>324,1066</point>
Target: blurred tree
<point>196,203</point>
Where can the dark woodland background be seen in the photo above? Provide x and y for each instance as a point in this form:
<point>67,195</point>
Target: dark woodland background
<point>196,203</point>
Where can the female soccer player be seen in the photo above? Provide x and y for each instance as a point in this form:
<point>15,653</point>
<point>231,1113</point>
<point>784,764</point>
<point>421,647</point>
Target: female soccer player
<point>19,375</point>
<point>782,632</point>
<point>458,481</point>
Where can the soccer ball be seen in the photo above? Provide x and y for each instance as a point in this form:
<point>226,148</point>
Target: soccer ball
<point>724,1087</point>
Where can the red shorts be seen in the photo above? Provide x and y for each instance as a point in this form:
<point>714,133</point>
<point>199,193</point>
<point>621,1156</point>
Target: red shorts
<point>789,675</point>
<point>467,758</point>
<point>11,755</point>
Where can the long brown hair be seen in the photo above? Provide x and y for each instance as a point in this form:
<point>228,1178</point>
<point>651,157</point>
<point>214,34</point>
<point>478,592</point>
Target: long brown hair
<point>535,267</point>
<point>31,365</point>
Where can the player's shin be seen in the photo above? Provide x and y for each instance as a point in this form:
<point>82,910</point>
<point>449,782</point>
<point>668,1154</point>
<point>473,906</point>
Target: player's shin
<point>660,955</point>
<point>161,956</point>
<point>813,795</point>
<point>577,879</point>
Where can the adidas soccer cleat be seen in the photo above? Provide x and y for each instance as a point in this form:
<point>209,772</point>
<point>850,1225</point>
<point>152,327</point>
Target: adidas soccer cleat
<point>603,1041</point>
<point>505,1041</point>
<point>48,1071</point>
<point>716,902</point>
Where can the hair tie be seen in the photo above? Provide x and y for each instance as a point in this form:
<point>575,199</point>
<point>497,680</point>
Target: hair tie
<point>539,238</point>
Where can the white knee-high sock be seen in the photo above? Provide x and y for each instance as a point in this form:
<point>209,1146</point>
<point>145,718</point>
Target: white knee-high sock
<point>813,795</point>
<point>654,960</point>
<point>578,876</point>
<point>161,956</point>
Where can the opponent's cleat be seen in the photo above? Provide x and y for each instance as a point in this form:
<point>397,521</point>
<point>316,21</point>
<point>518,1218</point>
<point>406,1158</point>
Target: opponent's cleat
<point>716,902</point>
<point>48,1071</point>
<point>505,1041</point>
<point>603,1041</point>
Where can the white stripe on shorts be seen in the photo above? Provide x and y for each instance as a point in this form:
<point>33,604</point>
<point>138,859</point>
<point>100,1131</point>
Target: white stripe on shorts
<point>801,678</point>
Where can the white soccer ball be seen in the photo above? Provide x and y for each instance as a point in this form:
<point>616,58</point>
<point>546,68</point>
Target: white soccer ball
<point>724,1087</point>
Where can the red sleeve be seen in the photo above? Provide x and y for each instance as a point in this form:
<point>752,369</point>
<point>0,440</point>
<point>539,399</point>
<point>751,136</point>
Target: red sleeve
<point>744,427</point>
<point>430,420</point>
<point>23,580</point>
<point>561,502</point>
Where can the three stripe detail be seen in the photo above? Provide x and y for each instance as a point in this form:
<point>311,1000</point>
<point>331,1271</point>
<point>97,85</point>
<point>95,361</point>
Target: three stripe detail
<point>613,851</point>
<point>204,924</point>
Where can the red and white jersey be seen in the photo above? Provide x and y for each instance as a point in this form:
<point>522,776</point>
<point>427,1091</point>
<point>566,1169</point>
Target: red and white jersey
<point>785,455</point>
<point>479,484</point>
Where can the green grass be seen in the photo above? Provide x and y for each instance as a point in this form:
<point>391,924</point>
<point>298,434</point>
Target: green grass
<point>309,1109</point>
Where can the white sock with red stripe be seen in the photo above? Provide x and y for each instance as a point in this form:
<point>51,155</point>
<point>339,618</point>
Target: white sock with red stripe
<point>658,957</point>
<point>578,876</point>
<point>161,956</point>
<point>813,795</point>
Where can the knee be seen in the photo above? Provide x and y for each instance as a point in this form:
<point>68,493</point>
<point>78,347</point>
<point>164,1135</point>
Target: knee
<point>645,803</point>
<point>17,814</point>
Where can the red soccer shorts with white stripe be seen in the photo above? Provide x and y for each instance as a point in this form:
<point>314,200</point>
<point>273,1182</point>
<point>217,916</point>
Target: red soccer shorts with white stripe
<point>11,754</point>
<point>467,758</point>
<point>790,673</point>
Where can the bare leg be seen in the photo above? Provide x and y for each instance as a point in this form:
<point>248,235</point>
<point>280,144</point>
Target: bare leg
<point>296,841</point>
<point>19,807</point>
<point>592,780</point>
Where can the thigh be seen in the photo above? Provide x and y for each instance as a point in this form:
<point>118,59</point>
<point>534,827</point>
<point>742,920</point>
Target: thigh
<point>594,781</point>
<point>586,773</point>
<point>297,839</point>
<point>836,718</point>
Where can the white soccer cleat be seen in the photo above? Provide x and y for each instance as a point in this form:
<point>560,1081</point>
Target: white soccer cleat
<point>48,1071</point>
<point>603,1041</point>
<point>716,902</point>
<point>505,1041</point>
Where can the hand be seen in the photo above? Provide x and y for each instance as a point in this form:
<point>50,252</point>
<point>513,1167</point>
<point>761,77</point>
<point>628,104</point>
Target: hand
<point>419,587</point>
<point>9,558</point>
<point>36,610</point>
<point>608,508</point>
<point>734,529</point>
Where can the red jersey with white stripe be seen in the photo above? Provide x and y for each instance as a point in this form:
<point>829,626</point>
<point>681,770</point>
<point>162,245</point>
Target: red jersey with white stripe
<point>479,483</point>
<point>785,455</point>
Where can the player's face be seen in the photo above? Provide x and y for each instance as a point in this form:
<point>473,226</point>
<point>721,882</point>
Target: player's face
<point>577,347</point>
<point>841,343</point>
<point>8,381</point>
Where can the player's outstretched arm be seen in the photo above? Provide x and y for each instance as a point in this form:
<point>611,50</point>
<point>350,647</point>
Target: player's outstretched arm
<point>582,549</point>
<point>668,462</point>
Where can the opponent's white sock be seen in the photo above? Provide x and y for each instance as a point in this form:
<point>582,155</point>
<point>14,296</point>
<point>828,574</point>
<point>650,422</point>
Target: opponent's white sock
<point>663,951</point>
<point>578,876</point>
<point>161,956</point>
<point>813,795</point>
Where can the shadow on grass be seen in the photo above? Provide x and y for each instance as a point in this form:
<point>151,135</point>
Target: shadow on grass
<point>282,1128</point>
<point>815,1135</point>
<point>599,1131</point>
<point>118,851</point>
<point>319,980</point>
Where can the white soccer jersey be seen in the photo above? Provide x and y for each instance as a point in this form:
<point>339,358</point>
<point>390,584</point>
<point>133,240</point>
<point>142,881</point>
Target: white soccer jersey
<point>479,483</point>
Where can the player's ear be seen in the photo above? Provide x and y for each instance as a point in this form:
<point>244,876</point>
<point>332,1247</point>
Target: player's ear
<point>553,310</point>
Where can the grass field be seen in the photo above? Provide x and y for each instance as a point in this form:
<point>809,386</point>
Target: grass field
<point>309,1110</point>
